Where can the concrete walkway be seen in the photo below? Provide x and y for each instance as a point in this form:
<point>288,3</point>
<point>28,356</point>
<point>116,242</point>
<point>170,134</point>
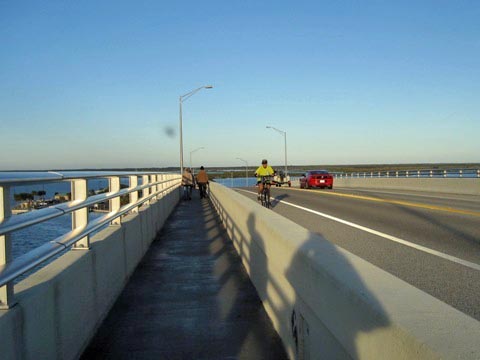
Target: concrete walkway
<point>189,298</point>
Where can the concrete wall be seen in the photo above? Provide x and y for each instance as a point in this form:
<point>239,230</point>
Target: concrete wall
<point>60,307</point>
<point>466,186</point>
<point>327,303</point>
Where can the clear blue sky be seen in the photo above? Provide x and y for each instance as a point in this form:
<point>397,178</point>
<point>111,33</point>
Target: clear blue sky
<point>96,83</point>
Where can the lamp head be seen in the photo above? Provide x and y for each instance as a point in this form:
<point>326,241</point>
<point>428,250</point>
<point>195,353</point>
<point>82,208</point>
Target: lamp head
<point>208,87</point>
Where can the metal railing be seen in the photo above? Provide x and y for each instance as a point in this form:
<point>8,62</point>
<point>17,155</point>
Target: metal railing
<point>422,173</point>
<point>154,186</point>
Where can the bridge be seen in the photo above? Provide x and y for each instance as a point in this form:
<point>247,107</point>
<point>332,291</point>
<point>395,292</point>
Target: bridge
<point>378,268</point>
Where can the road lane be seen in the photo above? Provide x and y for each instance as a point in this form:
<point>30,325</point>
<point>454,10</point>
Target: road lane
<point>450,232</point>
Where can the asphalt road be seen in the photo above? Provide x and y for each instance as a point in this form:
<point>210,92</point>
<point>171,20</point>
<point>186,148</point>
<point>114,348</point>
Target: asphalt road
<point>429,240</point>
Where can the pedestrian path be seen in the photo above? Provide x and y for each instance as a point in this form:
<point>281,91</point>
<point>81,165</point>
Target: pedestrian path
<point>189,298</point>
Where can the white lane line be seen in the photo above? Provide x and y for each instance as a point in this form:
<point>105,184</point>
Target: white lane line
<point>383,235</point>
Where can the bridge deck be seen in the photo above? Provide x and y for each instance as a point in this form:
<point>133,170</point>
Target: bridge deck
<point>189,298</point>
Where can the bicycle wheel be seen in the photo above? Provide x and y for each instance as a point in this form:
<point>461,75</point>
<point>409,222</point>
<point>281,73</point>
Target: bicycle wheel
<point>268,204</point>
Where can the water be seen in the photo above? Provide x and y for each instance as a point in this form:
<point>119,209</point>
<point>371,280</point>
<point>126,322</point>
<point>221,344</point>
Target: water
<point>237,182</point>
<point>29,238</point>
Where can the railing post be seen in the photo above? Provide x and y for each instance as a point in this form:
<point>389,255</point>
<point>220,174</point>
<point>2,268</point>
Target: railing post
<point>166,177</point>
<point>133,196</point>
<point>418,173</point>
<point>154,179</point>
<point>167,183</point>
<point>444,173</point>
<point>151,180</point>
<point>146,191</point>
<point>431,173</point>
<point>80,217</point>
<point>460,172</point>
<point>173,181</point>
<point>114,204</point>
<point>162,178</point>
<point>7,299</point>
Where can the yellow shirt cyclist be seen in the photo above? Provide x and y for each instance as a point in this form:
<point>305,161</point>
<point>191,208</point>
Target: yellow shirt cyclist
<point>263,170</point>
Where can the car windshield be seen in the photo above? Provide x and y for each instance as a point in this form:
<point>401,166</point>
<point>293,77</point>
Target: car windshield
<point>318,172</point>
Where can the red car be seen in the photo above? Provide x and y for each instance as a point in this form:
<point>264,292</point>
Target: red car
<point>316,178</point>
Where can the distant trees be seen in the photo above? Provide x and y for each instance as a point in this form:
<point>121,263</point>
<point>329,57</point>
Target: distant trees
<point>29,196</point>
<point>23,196</point>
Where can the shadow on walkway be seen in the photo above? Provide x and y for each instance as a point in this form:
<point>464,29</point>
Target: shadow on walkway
<point>189,298</point>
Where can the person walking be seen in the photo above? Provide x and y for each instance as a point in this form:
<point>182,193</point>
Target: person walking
<point>188,182</point>
<point>202,181</point>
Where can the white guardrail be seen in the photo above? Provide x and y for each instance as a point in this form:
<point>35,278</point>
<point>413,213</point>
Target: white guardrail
<point>421,174</point>
<point>425,173</point>
<point>153,186</point>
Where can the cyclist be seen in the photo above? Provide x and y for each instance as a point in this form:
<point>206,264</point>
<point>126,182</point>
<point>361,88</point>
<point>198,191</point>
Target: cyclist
<point>263,170</point>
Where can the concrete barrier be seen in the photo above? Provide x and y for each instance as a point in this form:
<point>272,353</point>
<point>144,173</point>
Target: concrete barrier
<point>60,307</point>
<point>461,186</point>
<point>327,303</point>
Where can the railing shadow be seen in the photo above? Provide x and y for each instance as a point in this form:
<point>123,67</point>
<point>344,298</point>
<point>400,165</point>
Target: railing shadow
<point>332,336</point>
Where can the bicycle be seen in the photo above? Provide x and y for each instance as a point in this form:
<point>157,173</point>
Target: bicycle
<point>265,194</point>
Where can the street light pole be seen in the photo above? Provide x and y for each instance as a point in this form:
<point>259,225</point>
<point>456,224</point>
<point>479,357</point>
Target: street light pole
<point>246,171</point>
<point>191,152</point>
<point>284,133</point>
<point>181,99</point>
<point>181,138</point>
